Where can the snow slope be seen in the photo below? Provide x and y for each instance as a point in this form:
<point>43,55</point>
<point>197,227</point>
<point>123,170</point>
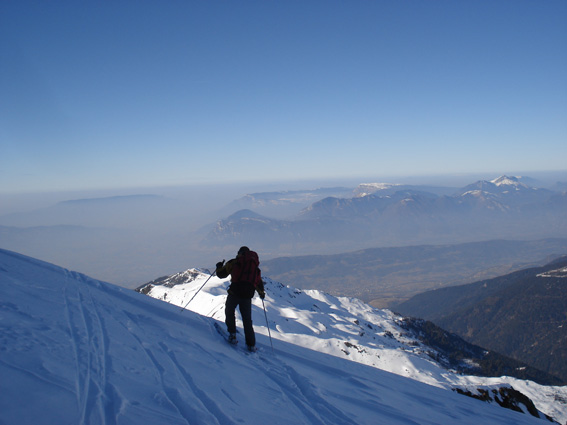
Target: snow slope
<point>79,351</point>
<point>345,328</point>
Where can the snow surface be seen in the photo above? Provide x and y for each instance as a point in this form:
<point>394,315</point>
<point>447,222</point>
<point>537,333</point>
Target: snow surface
<point>365,189</point>
<point>75,350</point>
<point>562,272</point>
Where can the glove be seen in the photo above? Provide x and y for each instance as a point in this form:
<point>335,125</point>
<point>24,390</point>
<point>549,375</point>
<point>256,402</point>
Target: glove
<point>261,292</point>
<point>220,264</point>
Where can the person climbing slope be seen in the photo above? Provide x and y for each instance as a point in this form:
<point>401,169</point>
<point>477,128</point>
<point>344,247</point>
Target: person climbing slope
<point>246,279</point>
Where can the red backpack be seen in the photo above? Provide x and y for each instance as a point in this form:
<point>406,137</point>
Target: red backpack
<point>245,274</point>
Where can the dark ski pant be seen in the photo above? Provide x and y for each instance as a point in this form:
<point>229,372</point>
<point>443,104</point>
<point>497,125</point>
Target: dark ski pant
<point>245,307</point>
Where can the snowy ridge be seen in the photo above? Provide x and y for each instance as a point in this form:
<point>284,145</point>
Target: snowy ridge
<point>562,272</point>
<point>350,329</point>
<point>365,189</point>
<point>77,350</point>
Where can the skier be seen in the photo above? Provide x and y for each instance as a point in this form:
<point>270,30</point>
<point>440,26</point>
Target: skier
<point>245,277</point>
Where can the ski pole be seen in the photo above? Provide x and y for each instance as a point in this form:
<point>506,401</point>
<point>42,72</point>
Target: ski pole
<point>199,290</point>
<point>267,325</point>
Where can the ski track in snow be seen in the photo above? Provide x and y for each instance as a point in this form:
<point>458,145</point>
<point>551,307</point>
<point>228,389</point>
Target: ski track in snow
<point>293,388</point>
<point>89,339</point>
<point>176,387</point>
<point>208,402</point>
<point>296,389</point>
<point>299,390</point>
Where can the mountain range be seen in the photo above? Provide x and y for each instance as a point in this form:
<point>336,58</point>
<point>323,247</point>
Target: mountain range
<point>394,215</point>
<point>128,237</point>
<point>521,314</point>
<point>78,350</point>
<point>112,211</point>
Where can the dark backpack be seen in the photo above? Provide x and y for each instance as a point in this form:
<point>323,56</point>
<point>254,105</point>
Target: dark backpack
<point>246,275</point>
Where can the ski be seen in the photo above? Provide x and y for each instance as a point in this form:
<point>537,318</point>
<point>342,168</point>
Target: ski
<point>223,332</point>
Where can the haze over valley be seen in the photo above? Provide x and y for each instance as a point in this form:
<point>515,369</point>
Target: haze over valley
<point>401,234</point>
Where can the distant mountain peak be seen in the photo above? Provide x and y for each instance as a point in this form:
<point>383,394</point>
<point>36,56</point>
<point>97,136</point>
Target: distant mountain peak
<point>504,186</point>
<point>508,181</point>
<point>245,213</point>
<point>365,189</point>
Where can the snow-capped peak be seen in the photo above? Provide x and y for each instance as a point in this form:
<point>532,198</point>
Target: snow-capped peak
<point>365,189</point>
<point>509,181</point>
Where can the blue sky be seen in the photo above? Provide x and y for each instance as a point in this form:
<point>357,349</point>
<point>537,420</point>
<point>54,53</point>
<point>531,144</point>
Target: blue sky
<point>111,94</point>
